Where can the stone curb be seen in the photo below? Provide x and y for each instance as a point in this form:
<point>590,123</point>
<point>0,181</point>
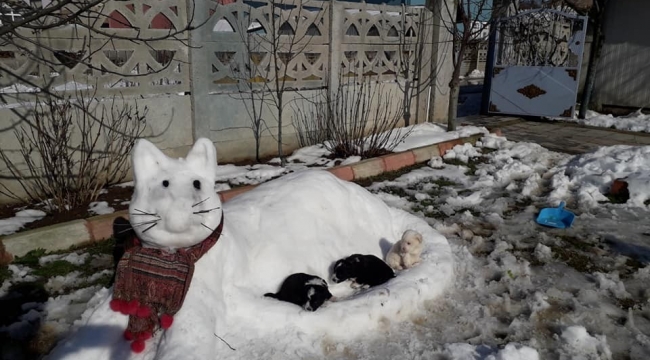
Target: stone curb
<point>97,228</point>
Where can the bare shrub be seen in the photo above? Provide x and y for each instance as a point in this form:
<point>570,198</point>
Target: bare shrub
<point>357,119</point>
<point>73,148</point>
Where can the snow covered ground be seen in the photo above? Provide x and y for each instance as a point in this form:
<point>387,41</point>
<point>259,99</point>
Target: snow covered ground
<point>520,291</point>
<point>636,121</point>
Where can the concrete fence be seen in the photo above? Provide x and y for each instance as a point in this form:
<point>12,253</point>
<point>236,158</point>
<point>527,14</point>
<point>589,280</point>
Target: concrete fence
<point>200,90</point>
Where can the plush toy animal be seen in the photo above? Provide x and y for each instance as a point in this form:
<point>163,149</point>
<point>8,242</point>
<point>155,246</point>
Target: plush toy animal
<point>405,253</point>
<point>176,217</point>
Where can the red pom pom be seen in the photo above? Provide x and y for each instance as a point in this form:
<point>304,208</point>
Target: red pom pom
<point>117,305</point>
<point>132,307</point>
<point>128,335</point>
<point>137,346</point>
<point>143,311</point>
<point>166,321</point>
<point>145,335</point>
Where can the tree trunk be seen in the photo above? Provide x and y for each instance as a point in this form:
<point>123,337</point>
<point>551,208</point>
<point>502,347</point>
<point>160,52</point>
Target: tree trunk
<point>454,88</point>
<point>283,162</point>
<point>454,91</point>
<point>407,104</point>
<point>594,56</point>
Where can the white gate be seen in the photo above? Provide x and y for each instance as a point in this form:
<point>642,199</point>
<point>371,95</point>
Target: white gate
<point>536,59</point>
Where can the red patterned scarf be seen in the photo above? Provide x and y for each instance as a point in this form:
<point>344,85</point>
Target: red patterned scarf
<point>151,284</point>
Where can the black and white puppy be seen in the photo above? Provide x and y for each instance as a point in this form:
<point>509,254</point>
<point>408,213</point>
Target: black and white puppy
<point>363,270</point>
<point>307,291</point>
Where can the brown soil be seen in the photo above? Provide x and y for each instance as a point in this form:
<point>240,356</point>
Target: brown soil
<point>114,196</point>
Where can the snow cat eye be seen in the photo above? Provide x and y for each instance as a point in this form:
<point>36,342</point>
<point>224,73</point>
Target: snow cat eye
<point>165,183</point>
<point>197,184</point>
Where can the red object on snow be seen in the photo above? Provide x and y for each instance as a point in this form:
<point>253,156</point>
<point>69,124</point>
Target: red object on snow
<point>166,321</point>
<point>137,346</point>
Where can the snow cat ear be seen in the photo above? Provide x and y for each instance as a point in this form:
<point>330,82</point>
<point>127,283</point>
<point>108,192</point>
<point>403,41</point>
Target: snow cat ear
<point>419,238</point>
<point>146,160</point>
<point>203,155</point>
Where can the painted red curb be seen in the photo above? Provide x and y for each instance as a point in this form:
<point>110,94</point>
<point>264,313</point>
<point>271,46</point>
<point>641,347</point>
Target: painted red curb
<point>368,168</point>
<point>397,161</point>
<point>448,145</point>
<point>229,194</point>
<point>343,172</point>
<point>101,227</point>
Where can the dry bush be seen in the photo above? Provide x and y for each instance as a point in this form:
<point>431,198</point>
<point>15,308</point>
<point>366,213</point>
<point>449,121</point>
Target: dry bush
<point>357,119</point>
<point>73,148</point>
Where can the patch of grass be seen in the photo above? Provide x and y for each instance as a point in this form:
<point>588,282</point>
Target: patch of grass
<point>62,267</point>
<point>486,151</point>
<point>97,247</point>
<point>576,259</point>
<point>471,164</point>
<point>575,242</point>
<point>5,274</point>
<point>628,303</point>
<point>55,268</point>
<point>575,253</point>
<point>443,182</point>
<point>456,162</point>
<point>474,212</point>
<point>389,176</point>
<point>396,190</point>
<point>433,213</point>
<point>632,265</point>
<point>519,205</point>
<point>31,258</point>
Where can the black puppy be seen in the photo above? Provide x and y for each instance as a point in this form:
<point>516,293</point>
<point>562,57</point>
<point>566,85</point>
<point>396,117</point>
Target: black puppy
<point>363,270</point>
<point>307,291</point>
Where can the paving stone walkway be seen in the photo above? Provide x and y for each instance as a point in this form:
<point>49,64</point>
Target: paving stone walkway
<point>566,137</point>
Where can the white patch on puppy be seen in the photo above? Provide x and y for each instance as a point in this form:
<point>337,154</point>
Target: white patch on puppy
<point>174,203</point>
<point>405,253</point>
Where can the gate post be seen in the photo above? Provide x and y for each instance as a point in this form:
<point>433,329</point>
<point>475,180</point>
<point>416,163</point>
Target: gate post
<point>489,67</point>
<point>442,65</point>
<point>337,18</point>
<point>425,67</point>
<point>198,66</point>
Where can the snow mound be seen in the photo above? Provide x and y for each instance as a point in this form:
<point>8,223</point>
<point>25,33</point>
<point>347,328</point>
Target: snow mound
<point>302,222</point>
<point>591,175</point>
<point>578,344</point>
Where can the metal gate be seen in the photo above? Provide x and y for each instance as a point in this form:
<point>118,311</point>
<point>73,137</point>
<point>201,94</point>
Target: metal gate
<point>535,63</point>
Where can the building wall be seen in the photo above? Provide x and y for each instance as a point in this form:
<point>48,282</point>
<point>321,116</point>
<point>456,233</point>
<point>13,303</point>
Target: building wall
<point>624,67</point>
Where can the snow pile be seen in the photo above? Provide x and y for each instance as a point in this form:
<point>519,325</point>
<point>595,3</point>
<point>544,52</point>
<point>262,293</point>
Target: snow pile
<point>271,232</point>
<point>462,152</point>
<point>13,224</point>
<point>590,175</point>
<point>476,74</point>
<point>73,258</point>
<point>636,121</point>
<point>578,344</point>
<point>430,133</point>
<point>243,175</point>
<point>100,208</point>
